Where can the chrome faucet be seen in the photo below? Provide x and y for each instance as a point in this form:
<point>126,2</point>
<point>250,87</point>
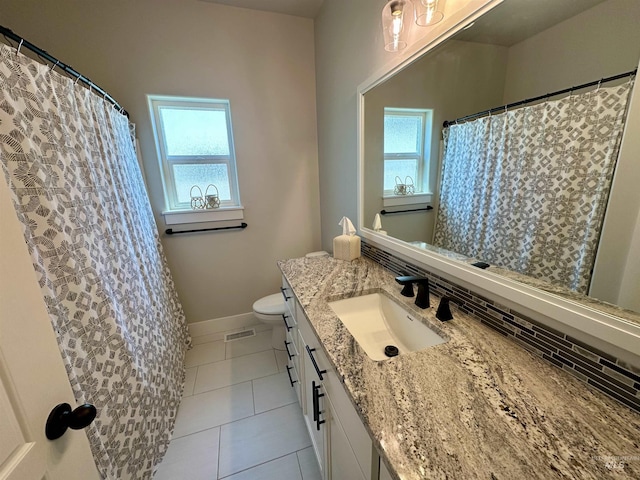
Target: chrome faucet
<point>422,299</point>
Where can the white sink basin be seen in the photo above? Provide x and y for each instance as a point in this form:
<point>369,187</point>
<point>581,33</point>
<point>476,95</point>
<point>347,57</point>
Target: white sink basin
<point>376,321</point>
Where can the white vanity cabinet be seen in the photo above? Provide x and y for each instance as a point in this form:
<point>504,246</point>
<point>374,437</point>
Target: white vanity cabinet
<point>315,406</point>
<point>341,443</point>
<point>291,343</point>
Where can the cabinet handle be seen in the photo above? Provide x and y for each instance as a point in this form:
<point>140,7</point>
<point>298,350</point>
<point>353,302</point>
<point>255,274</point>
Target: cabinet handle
<point>284,317</point>
<point>286,347</point>
<point>316,404</point>
<point>313,360</point>
<point>283,290</point>
<point>291,380</point>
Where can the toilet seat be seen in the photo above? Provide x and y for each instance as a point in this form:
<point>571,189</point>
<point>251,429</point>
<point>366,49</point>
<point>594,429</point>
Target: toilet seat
<point>270,305</point>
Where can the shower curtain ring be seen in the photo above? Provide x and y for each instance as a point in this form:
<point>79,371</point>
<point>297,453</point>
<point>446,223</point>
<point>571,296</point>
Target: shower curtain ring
<point>19,46</point>
<point>54,66</point>
<point>77,79</point>
<point>599,83</point>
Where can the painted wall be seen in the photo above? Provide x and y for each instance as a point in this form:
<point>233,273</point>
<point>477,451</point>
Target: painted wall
<point>263,63</point>
<point>562,55</point>
<point>349,48</point>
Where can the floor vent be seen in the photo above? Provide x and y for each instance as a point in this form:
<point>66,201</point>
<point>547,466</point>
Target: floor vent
<point>229,337</point>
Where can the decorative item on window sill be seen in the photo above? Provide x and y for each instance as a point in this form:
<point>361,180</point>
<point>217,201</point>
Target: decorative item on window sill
<point>406,188</point>
<point>206,201</point>
<point>211,200</point>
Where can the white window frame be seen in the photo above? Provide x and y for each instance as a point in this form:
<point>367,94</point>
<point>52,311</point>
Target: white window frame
<point>422,155</point>
<point>176,212</point>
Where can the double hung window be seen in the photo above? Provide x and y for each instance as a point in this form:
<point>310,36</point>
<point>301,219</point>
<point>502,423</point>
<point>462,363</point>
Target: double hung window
<point>407,148</point>
<point>194,142</point>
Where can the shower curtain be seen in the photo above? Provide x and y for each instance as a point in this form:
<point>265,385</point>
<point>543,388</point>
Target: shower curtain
<point>527,189</point>
<point>69,159</point>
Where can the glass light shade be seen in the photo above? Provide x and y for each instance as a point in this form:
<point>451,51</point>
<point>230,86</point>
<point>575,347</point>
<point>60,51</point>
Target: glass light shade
<point>396,23</point>
<point>429,12</point>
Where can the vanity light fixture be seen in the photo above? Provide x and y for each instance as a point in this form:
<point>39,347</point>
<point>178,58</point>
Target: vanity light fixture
<point>429,12</point>
<point>395,24</point>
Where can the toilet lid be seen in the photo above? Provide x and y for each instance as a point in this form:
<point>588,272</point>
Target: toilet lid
<point>270,305</point>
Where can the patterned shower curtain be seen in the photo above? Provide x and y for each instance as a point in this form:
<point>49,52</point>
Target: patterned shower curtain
<point>70,162</point>
<point>527,189</point>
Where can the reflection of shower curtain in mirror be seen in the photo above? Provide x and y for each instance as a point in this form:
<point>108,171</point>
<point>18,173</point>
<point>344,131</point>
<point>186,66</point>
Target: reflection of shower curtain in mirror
<point>69,159</point>
<point>527,189</point>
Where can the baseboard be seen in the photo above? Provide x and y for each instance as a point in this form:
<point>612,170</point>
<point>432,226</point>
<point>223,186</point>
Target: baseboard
<point>215,329</point>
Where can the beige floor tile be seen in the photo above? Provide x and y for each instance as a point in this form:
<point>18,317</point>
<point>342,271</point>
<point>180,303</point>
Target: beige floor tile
<point>258,343</point>
<point>235,370</point>
<point>261,438</point>
<point>282,359</point>
<point>309,464</point>
<point>194,457</point>
<point>190,381</point>
<point>210,409</point>
<point>272,392</point>
<point>283,468</point>
<point>204,353</point>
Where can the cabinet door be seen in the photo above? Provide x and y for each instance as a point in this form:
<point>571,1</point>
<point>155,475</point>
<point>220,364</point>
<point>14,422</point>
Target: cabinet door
<point>344,465</point>
<point>315,409</point>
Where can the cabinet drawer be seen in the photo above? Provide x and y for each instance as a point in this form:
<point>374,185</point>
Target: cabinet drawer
<point>289,298</point>
<point>292,348</point>
<point>294,380</point>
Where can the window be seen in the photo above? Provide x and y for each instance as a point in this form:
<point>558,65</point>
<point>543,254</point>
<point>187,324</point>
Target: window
<point>407,148</point>
<point>194,141</point>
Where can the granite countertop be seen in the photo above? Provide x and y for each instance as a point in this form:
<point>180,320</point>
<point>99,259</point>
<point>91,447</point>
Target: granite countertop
<point>477,406</point>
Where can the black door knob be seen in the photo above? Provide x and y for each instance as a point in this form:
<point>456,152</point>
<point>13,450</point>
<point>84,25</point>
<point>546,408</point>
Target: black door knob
<point>63,417</point>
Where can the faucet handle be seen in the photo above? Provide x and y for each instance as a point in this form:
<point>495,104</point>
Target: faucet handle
<point>444,311</point>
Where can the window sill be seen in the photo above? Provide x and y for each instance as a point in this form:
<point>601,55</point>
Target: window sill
<point>399,200</point>
<point>222,214</point>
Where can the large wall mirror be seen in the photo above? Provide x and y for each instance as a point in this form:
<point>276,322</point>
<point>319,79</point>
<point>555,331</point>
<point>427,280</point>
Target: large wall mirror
<point>518,50</point>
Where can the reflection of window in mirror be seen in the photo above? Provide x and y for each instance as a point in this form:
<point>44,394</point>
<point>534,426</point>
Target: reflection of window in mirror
<point>407,149</point>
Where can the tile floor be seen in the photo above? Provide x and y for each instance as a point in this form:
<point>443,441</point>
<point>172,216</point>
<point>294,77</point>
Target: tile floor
<point>239,418</point>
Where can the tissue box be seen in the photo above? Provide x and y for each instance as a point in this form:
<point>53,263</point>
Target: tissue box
<point>346,247</point>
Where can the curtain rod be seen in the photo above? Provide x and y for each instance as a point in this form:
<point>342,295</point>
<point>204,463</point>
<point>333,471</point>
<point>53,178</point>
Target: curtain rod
<point>541,97</point>
<point>7,33</point>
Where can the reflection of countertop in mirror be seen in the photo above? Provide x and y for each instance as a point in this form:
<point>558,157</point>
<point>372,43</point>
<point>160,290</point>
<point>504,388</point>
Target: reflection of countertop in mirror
<point>558,290</point>
<point>477,406</point>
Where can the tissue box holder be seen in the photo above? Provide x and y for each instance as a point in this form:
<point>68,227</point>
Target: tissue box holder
<point>346,247</point>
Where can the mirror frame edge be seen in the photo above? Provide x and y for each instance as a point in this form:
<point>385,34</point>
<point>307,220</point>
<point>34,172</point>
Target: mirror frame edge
<point>611,329</point>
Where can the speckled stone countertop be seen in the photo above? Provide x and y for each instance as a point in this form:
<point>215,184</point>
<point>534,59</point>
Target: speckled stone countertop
<point>477,406</point>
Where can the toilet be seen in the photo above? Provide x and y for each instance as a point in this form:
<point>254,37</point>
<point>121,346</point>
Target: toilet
<point>270,309</point>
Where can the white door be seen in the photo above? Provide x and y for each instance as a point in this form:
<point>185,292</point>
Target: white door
<point>32,376</point>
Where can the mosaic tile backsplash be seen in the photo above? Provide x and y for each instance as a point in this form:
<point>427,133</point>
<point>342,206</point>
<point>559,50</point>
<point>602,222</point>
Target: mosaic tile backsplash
<point>592,366</point>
